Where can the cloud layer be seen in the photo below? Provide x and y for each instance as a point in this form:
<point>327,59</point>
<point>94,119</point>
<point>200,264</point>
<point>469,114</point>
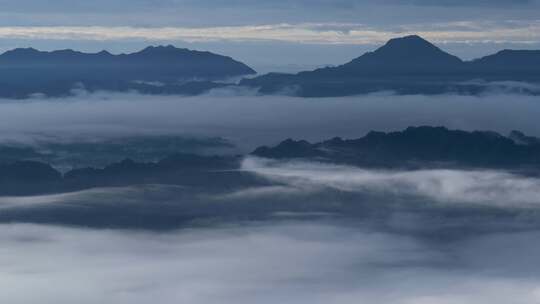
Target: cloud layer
<point>287,263</point>
<point>492,188</point>
<point>314,33</point>
<point>250,121</point>
<point>322,234</point>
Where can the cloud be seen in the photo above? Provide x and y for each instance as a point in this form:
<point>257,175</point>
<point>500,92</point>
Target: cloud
<point>333,31</point>
<point>250,121</point>
<point>491,188</point>
<point>137,5</point>
<point>310,33</point>
<point>436,204</point>
<point>285,263</point>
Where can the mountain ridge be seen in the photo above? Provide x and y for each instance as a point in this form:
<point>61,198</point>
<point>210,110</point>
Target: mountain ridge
<point>406,52</point>
<point>424,146</point>
<point>26,71</point>
<point>406,65</point>
<point>26,54</point>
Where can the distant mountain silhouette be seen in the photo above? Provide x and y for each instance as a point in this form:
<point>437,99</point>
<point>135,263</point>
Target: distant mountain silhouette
<point>410,54</point>
<point>519,61</point>
<point>417,146</point>
<point>162,69</point>
<point>408,65</point>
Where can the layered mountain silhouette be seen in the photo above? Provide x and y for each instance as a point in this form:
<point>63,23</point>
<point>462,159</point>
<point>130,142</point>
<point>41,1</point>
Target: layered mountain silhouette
<point>418,147</point>
<point>509,61</point>
<point>408,55</point>
<point>157,70</point>
<point>408,65</point>
<point>208,172</point>
<point>413,148</point>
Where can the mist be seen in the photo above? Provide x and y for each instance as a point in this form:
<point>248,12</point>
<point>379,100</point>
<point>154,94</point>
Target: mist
<point>440,204</point>
<point>489,187</point>
<point>250,120</point>
<point>287,263</point>
<point>320,234</point>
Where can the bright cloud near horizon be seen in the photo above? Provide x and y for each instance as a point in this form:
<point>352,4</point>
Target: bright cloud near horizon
<point>315,33</point>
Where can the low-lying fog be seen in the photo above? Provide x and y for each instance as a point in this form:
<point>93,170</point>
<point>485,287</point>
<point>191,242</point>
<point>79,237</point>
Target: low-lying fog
<point>289,262</point>
<point>323,234</point>
<point>488,187</point>
<point>250,120</point>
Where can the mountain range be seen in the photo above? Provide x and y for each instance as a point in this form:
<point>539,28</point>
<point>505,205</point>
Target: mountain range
<point>155,70</point>
<point>24,177</point>
<point>417,147</point>
<point>409,65</point>
<point>413,148</point>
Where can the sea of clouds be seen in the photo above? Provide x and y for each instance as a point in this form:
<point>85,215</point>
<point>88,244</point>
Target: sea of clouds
<point>251,120</point>
<point>269,263</point>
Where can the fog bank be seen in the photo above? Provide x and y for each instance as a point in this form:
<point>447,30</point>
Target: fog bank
<point>287,263</point>
<point>487,187</point>
<point>251,120</point>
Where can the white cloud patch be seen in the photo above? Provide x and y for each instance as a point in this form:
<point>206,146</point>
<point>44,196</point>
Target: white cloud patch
<point>492,188</point>
<point>286,263</point>
<point>311,33</point>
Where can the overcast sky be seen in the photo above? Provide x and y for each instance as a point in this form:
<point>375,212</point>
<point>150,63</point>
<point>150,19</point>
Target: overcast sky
<point>294,33</point>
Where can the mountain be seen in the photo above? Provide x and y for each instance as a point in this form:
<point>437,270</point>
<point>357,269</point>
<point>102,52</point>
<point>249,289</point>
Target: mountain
<point>410,54</point>
<point>208,172</point>
<point>413,148</point>
<point>28,177</point>
<point>407,65</point>
<point>28,171</point>
<point>162,69</point>
<point>518,61</point>
<point>417,146</point>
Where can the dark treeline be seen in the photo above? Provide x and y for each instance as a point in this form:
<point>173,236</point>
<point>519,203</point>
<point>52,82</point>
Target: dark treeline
<point>413,148</point>
<point>210,172</point>
<point>418,147</point>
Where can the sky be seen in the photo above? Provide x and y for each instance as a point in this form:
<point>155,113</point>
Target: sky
<point>283,35</point>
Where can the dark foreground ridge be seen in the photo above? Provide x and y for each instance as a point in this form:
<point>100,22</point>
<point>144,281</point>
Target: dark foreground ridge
<point>418,147</point>
<point>187,190</point>
<point>154,70</point>
<point>413,148</point>
<point>209,172</point>
<point>411,65</point>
